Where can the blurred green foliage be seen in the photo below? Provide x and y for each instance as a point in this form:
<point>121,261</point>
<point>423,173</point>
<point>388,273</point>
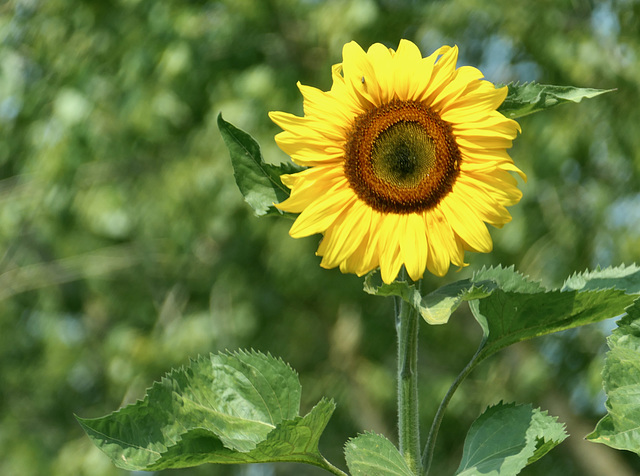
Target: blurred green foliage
<point>126,248</point>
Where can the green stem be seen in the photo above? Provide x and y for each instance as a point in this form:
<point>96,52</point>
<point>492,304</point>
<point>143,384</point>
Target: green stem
<point>427,455</point>
<point>407,321</point>
<point>324,464</point>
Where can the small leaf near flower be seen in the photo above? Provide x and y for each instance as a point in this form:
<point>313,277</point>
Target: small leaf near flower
<point>527,98</point>
<point>258,181</point>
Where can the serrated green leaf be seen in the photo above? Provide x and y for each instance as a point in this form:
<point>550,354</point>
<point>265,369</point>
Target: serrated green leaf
<point>512,308</point>
<point>527,98</point>
<point>227,408</point>
<point>620,428</point>
<point>374,455</point>
<point>258,181</point>
<point>548,433</point>
<point>506,438</point>
<point>626,278</point>
<point>512,317</point>
<point>506,279</point>
<point>516,309</point>
<point>294,440</point>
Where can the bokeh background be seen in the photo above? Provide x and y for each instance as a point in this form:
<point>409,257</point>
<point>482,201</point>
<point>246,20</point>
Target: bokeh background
<point>125,247</point>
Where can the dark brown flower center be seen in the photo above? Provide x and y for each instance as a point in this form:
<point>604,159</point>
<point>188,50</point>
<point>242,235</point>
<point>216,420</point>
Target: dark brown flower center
<point>401,157</point>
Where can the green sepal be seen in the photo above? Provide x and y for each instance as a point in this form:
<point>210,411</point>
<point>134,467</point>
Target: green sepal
<point>527,98</point>
<point>620,427</point>
<point>258,181</point>
<point>508,437</point>
<point>374,455</point>
<point>435,308</point>
<point>225,408</point>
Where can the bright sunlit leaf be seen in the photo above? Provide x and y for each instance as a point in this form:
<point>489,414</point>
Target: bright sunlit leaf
<point>374,455</point>
<point>620,428</point>
<point>225,408</point>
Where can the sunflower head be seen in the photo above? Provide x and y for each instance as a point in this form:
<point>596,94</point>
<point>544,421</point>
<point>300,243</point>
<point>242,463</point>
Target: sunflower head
<point>406,162</point>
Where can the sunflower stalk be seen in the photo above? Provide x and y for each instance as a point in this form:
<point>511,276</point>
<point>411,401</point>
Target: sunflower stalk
<point>407,320</point>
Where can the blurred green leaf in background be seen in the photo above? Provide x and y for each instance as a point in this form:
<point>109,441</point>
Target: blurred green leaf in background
<point>126,248</point>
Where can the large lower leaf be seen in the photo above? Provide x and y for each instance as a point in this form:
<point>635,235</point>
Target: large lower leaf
<point>506,438</point>
<point>258,181</point>
<point>620,428</point>
<point>227,408</point>
<point>374,455</point>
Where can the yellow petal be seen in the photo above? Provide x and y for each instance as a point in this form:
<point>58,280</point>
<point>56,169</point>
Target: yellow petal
<point>456,87</point>
<point>388,248</point>
<point>322,212</point>
<point>439,243</point>
<point>307,185</point>
<point>484,205</point>
<point>345,236</point>
<point>413,244</point>
<point>466,224</point>
<point>443,71</point>
<point>405,63</point>
<point>467,107</point>
<point>383,73</point>
<point>356,65</point>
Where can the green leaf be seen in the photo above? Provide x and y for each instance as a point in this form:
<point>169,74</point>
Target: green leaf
<point>293,440</point>
<point>227,408</point>
<point>445,300</point>
<point>620,428</point>
<point>258,181</point>
<point>527,98</point>
<point>511,308</point>
<point>626,278</point>
<point>374,455</point>
<point>508,437</point>
<point>441,303</point>
<point>437,306</point>
<point>518,309</point>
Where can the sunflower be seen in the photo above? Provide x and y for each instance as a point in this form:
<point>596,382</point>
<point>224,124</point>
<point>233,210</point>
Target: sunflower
<point>405,162</point>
